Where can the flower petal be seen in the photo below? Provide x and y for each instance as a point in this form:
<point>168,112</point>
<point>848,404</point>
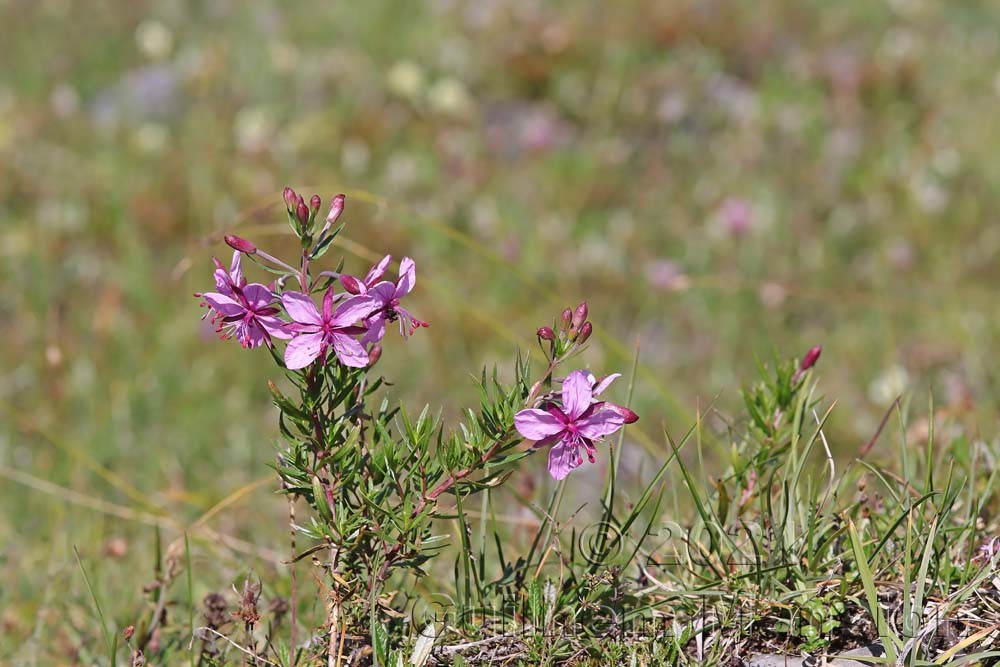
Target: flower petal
<point>563,458</point>
<point>303,350</point>
<point>236,270</point>
<point>576,394</point>
<point>251,335</point>
<point>328,304</point>
<point>537,424</point>
<point>349,351</point>
<point>223,304</point>
<point>257,296</point>
<point>376,329</point>
<point>354,309</point>
<point>301,308</point>
<point>600,424</point>
<point>605,383</point>
<point>378,270</point>
<point>274,326</point>
<point>383,292</point>
<point>407,277</point>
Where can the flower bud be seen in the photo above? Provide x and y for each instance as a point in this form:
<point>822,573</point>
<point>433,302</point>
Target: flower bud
<point>350,283</point>
<point>812,356</point>
<point>374,355</point>
<point>546,333</point>
<point>628,415</point>
<point>129,631</point>
<point>580,315</point>
<point>290,198</point>
<point>808,361</point>
<point>585,332</point>
<point>564,320</point>
<point>241,244</point>
<point>336,208</point>
<point>302,213</point>
<point>314,203</point>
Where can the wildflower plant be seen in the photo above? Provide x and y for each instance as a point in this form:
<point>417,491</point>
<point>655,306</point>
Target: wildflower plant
<point>375,477</point>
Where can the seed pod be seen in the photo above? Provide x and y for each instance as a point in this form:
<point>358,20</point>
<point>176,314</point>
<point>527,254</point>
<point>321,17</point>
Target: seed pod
<point>319,498</point>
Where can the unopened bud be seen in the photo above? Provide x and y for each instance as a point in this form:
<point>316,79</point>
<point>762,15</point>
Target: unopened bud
<point>808,361</point>
<point>374,355</point>
<point>564,319</point>
<point>546,333</point>
<point>585,332</point>
<point>350,283</point>
<point>302,213</point>
<point>580,315</point>
<point>241,244</point>
<point>812,356</point>
<point>314,203</point>
<point>628,415</point>
<point>291,199</point>
<point>336,208</point>
<point>129,631</point>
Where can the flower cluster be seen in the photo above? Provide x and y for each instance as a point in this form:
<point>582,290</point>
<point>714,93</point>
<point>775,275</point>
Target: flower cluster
<point>351,324</point>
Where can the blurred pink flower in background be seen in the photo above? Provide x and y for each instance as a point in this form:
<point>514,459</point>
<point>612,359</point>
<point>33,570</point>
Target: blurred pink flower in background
<point>735,216</point>
<point>666,275</point>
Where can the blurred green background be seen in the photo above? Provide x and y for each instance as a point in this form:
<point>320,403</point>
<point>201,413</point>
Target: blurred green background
<point>718,179</point>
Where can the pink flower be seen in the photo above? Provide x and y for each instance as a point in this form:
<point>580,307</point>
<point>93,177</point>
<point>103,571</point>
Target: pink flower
<point>316,331</point>
<point>575,426</point>
<point>242,311</point>
<point>736,215</point>
<point>387,296</point>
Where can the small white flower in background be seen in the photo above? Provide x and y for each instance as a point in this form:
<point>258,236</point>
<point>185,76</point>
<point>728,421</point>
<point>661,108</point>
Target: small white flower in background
<point>946,161</point>
<point>150,138</point>
<point>154,39</point>
<point>406,79</point>
<point>401,170</point>
<point>253,129</point>
<point>449,96</point>
<point>928,193</point>
<point>354,156</point>
<point>892,382</point>
<point>65,100</point>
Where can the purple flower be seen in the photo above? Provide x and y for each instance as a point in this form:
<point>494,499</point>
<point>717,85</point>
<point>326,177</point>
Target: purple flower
<point>317,331</point>
<point>386,295</point>
<point>242,311</point>
<point>575,426</point>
